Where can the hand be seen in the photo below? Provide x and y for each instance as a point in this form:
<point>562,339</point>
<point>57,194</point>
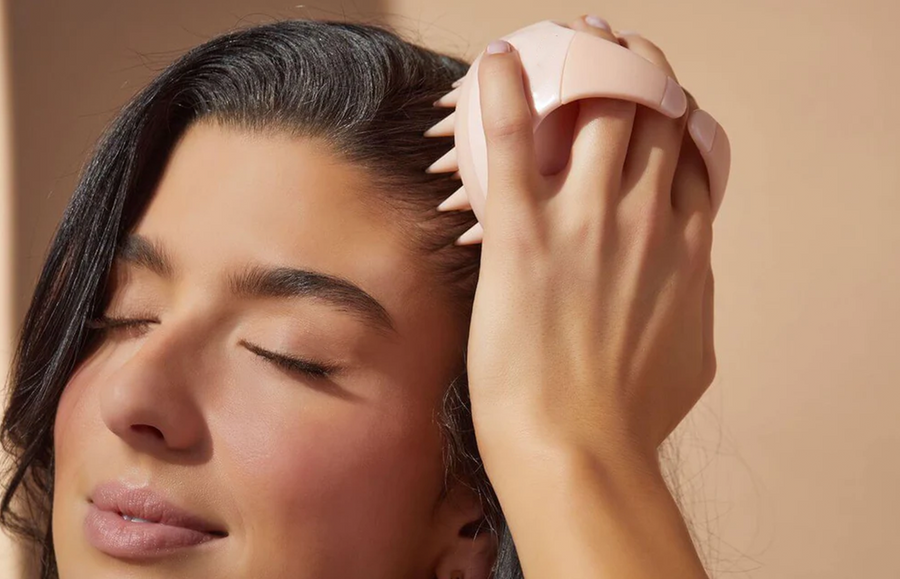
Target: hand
<point>592,325</point>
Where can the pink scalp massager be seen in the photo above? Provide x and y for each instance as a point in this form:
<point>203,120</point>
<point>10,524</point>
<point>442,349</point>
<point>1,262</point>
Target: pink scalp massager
<point>562,66</point>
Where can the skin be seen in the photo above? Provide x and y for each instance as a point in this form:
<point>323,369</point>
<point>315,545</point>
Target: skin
<point>592,329</point>
<point>571,396</point>
<point>310,481</point>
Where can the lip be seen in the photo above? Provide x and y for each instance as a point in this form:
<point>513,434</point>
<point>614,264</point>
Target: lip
<point>169,527</point>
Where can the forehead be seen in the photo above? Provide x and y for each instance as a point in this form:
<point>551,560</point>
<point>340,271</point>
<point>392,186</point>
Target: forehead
<point>228,197</point>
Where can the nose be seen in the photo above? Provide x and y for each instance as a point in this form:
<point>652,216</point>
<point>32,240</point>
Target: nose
<point>151,401</point>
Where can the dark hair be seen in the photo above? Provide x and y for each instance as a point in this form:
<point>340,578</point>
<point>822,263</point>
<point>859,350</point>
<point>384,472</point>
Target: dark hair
<point>361,89</point>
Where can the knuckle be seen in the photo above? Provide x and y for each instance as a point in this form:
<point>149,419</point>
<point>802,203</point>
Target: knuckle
<point>508,125</point>
<point>696,263</point>
<point>584,234</point>
<point>698,236</point>
<point>695,266</point>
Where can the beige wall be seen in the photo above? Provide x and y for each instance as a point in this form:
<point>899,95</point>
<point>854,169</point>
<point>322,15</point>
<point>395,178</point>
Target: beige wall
<point>6,264</point>
<point>790,461</point>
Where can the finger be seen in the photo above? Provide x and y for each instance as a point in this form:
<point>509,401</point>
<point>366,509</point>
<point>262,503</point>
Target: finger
<point>655,139</point>
<point>690,186</point>
<point>709,140</point>
<point>715,148</point>
<point>602,132</point>
<point>508,126</point>
<point>645,48</point>
<point>692,102</point>
<point>594,25</point>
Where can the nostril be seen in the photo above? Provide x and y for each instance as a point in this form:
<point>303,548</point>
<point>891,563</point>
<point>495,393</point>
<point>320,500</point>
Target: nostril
<point>146,428</point>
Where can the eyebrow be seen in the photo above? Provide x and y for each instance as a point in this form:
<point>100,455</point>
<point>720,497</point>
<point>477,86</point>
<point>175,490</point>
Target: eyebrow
<point>257,281</point>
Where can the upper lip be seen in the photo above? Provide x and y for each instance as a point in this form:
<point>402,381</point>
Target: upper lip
<point>145,503</point>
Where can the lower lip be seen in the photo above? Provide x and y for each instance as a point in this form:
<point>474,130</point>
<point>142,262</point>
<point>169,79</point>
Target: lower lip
<point>113,535</point>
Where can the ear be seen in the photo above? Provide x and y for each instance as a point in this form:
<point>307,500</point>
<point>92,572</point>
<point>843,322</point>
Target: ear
<point>468,547</point>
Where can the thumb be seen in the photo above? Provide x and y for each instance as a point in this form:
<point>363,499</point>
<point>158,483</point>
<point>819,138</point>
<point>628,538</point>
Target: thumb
<point>507,119</point>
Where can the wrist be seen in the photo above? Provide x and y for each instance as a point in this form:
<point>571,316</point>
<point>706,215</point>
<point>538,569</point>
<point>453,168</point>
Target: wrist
<point>531,457</point>
<point>516,443</point>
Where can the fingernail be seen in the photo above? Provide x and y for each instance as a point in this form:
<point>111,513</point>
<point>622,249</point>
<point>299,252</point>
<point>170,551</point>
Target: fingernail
<point>498,46</point>
<point>627,33</point>
<point>674,103</point>
<point>598,22</point>
<point>703,127</point>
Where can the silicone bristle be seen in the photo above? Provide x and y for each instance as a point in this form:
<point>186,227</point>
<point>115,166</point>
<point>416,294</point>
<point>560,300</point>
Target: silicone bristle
<point>450,99</point>
<point>445,164</point>
<point>459,201</point>
<point>443,128</point>
<point>473,235</point>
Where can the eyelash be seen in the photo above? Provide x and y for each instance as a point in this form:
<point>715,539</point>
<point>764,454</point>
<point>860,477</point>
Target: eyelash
<point>306,368</point>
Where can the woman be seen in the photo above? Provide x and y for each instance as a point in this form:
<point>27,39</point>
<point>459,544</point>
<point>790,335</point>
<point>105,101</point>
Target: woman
<point>256,351</point>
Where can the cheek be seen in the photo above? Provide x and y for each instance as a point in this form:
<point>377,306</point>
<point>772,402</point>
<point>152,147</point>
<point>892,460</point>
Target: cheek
<point>77,443</point>
<point>77,416</point>
<point>363,469</point>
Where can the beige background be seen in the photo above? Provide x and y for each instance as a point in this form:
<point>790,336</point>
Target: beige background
<point>790,463</point>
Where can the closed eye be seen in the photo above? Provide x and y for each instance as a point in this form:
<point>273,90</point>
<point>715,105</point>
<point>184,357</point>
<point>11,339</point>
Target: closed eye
<point>306,368</point>
<point>106,324</point>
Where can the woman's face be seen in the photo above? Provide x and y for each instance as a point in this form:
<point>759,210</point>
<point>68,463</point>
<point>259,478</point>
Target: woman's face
<point>309,476</point>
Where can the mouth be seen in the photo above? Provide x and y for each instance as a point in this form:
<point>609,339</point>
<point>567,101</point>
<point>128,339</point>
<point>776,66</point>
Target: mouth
<point>137,523</point>
<point>203,529</point>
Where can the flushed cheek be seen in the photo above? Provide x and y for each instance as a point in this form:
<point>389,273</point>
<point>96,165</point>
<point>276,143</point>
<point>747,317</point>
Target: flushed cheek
<point>342,473</point>
<point>77,421</point>
<point>77,435</point>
